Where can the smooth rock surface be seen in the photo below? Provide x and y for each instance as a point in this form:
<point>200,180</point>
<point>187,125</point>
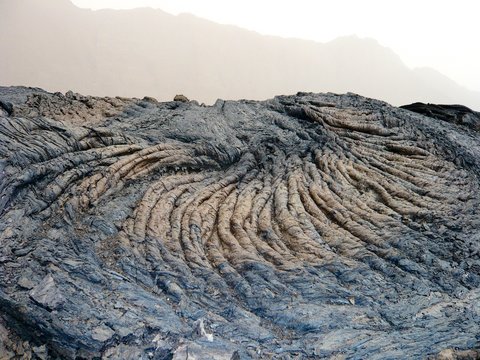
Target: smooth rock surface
<point>307,226</point>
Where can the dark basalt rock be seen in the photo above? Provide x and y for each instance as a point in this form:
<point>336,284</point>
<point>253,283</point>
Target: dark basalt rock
<point>6,107</point>
<point>455,114</point>
<point>307,226</point>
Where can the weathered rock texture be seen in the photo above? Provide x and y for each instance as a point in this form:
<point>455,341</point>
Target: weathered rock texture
<point>456,114</point>
<point>307,226</point>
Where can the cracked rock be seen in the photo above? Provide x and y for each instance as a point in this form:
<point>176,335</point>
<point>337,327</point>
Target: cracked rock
<point>47,294</point>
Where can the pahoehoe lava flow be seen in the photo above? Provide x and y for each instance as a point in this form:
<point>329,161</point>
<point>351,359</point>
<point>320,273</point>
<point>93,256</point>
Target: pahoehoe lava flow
<point>307,226</point>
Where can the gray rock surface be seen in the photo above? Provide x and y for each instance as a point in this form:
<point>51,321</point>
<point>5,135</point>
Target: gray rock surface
<point>47,294</point>
<point>301,227</point>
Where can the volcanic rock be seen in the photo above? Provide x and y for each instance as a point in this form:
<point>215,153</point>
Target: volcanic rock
<point>456,114</point>
<point>47,294</point>
<point>181,98</point>
<point>307,226</point>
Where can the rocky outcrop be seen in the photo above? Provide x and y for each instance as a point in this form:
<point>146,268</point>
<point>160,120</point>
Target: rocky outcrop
<point>456,114</point>
<point>306,226</point>
<point>74,108</point>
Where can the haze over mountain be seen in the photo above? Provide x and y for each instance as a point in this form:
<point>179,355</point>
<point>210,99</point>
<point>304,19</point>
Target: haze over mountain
<point>55,45</point>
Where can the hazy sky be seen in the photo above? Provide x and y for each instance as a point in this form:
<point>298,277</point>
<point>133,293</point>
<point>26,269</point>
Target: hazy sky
<point>440,34</point>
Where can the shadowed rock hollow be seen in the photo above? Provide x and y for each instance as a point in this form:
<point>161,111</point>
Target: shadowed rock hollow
<point>306,226</point>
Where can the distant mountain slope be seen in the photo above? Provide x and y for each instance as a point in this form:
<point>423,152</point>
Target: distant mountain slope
<point>57,46</point>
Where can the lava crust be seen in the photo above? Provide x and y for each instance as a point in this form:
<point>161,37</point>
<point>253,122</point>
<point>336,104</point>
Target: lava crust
<point>306,226</point>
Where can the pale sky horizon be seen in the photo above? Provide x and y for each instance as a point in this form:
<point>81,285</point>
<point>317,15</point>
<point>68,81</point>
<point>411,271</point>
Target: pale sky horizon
<point>435,34</point>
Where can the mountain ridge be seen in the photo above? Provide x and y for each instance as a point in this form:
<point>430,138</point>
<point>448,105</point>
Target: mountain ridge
<point>143,51</point>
